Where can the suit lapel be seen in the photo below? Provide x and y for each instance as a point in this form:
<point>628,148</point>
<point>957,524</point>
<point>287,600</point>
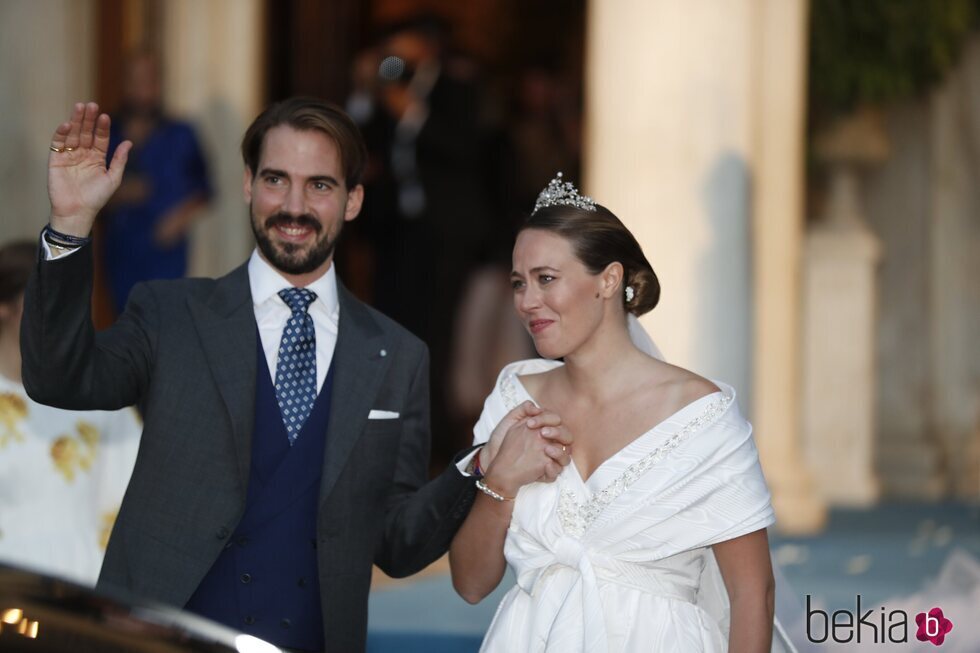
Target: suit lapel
<point>359,369</point>
<point>226,326</point>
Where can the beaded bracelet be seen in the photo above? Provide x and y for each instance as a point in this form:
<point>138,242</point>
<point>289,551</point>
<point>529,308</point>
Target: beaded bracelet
<point>64,241</point>
<point>482,487</point>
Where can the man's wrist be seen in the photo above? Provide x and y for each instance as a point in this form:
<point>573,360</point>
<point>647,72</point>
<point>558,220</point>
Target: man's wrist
<point>57,245</point>
<point>74,227</point>
<point>64,241</point>
<point>474,468</point>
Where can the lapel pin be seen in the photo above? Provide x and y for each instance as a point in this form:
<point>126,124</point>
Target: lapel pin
<point>383,352</point>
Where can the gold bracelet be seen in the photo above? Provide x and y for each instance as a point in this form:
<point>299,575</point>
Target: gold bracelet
<point>482,487</point>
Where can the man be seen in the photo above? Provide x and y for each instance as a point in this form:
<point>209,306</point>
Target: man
<point>286,437</point>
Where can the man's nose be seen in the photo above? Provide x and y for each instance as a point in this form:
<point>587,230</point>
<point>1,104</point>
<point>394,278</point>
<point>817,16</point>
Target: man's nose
<point>294,203</point>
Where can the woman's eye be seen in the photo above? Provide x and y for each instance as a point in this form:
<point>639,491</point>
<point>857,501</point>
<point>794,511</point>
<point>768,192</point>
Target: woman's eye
<point>516,284</point>
<point>546,279</point>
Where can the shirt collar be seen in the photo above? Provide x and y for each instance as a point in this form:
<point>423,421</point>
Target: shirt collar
<point>265,283</point>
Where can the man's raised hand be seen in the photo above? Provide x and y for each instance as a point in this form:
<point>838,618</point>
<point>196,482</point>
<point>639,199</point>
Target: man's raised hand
<point>79,184</point>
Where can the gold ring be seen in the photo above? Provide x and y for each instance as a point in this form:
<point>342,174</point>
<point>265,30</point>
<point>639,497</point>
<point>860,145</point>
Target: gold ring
<point>59,150</point>
<point>563,448</point>
<point>69,149</point>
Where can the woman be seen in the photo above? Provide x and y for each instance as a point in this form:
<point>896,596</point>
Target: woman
<point>62,473</point>
<point>623,551</point>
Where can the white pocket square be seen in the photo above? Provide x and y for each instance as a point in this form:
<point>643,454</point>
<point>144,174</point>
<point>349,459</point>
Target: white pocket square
<point>382,414</point>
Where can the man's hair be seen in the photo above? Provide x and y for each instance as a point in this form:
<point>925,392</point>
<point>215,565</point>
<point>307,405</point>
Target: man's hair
<point>310,114</point>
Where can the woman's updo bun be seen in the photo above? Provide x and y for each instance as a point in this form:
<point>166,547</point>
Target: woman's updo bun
<point>598,238</point>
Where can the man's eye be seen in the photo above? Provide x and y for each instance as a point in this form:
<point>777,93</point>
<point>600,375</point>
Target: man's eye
<point>272,179</point>
<point>320,186</point>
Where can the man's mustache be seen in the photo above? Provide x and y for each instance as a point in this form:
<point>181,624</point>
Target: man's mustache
<point>287,220</point>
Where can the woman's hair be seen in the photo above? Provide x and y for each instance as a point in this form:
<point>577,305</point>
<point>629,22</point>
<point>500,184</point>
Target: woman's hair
<point>598,238</point>
<point>17,259</point>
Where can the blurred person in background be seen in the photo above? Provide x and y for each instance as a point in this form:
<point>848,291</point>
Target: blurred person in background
<point>430,208</point>
<point>62,473</point>
<point>165,189</point>
<point>544,131</point>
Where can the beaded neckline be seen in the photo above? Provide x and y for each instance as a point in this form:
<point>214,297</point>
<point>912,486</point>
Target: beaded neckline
<point>575,517</point>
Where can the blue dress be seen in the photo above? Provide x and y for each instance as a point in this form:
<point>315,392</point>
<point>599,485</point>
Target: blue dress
<point>171,163</point>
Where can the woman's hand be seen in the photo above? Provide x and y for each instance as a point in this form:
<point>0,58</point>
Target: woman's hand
<point>534,447</point>
<point>526,412</point>
<point>528,445</point>
<point>79,184</point>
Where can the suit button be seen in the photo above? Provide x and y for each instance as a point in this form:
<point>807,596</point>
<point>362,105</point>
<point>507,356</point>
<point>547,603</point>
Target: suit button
<point>222,533</point>
<point>246,578</point>
<point>301,582</point>
<point>285,623</point>
<point>249,620</point>
<point>241,541</point>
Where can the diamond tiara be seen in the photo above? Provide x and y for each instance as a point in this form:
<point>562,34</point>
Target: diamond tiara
<point>562,193</point>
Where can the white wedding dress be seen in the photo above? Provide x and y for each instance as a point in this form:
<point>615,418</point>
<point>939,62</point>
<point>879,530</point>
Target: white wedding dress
<point>622,561</point>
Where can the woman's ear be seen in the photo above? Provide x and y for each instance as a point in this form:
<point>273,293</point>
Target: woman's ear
<point>611,278</point>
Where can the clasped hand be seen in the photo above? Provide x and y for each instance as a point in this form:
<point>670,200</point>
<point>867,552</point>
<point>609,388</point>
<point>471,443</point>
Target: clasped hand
<point>529,445</point>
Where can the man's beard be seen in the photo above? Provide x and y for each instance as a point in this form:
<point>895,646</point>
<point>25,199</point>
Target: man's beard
<point>288,257</point>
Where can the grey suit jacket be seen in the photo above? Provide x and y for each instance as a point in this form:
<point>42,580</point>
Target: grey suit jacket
<point>185,351</point>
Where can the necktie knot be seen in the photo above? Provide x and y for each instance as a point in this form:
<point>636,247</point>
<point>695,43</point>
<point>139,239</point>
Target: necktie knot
<point>297,299</point>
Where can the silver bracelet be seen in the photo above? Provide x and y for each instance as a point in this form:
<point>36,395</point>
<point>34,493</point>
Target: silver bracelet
<point>482,487</point>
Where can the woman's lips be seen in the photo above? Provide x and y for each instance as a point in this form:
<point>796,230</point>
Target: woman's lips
<point>537,326</point>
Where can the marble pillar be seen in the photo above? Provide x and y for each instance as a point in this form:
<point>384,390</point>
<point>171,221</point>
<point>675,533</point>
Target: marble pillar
<point>694,138</point>
<point>839,327</point>
<point>954,280</point>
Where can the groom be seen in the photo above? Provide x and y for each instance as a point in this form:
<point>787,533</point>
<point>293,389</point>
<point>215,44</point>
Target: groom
<point>286,439</point>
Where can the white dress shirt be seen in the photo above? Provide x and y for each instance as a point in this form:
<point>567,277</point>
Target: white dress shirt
<point>272,313</point>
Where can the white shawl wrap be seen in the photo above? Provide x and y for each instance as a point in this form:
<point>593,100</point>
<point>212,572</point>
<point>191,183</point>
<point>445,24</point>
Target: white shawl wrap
<point>597,561</point>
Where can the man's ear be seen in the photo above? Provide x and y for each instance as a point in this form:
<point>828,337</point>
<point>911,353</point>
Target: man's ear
<point>355,198</point>
<point>247,185</point>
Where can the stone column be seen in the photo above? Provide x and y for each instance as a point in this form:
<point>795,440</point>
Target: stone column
<point>954,283</point>
<point>693,114</point>
<point>896,196</point>
<point>213,77</point>
<point>840,379</point>
<point>780,93</point>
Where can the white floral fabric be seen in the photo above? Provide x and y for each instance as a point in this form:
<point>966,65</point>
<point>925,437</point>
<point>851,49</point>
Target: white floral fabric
<point>62,477</point>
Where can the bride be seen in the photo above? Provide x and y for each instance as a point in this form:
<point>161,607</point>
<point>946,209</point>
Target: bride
<point>653,537</point>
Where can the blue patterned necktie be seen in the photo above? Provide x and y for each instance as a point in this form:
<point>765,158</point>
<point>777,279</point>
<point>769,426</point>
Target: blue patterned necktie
<point>296,369</point>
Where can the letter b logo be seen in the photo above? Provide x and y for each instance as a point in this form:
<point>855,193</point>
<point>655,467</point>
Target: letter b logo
<point>933,626</point>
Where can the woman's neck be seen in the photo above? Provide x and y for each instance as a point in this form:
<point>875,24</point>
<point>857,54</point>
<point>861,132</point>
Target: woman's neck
<point>597,370</point>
